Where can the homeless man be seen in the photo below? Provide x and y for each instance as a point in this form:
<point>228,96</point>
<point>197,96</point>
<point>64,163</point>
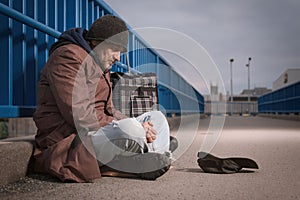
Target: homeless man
<point>80,135</point>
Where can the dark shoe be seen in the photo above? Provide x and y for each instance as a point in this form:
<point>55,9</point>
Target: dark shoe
<point>212,164</point>
<point>173,144</point>
<point>147,166</point>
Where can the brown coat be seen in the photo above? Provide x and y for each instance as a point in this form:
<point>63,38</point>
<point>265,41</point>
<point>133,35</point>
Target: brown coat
<point>73,93</point>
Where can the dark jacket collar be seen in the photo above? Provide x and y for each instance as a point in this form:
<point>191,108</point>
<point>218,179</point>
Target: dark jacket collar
<point>72,36</point>
<point>75,36</point>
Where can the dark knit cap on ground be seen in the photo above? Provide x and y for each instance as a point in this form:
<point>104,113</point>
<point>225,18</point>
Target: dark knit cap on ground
<point>110,29</point>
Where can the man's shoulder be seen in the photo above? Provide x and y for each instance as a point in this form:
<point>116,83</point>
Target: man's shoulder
<point>69,56</point>
<point>70,49</point>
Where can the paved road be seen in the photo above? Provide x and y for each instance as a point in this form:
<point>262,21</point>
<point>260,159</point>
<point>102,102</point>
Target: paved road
<point>273,143</point>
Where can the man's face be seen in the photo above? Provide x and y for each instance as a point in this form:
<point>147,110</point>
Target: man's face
<point>108,54</point>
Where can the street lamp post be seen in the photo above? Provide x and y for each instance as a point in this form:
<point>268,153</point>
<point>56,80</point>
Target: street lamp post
<point>248,66</point>
<point>231,86</point>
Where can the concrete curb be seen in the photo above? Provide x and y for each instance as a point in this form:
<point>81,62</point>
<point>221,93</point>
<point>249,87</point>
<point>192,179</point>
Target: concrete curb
<point>282,116</point>
<point>15,154</point>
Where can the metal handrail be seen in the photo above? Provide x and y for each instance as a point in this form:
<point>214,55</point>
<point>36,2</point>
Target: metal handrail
<point>28,21</point>
<point>32,21</point>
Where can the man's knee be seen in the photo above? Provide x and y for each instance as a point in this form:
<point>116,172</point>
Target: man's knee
<point>158,115</point>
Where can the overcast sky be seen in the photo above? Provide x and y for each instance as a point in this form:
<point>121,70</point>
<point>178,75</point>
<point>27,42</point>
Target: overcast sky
<point>268,31</point>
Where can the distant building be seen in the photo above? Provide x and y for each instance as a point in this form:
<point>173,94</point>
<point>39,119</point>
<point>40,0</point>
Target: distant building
<point>288,77</point>
<point>214,92</point>
<point>242,98</point>
<point>258,91</point>
<point>219,103</point>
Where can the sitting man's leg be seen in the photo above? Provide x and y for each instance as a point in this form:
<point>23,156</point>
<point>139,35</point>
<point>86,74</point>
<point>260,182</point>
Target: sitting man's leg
<point>119,146</point>
<point>160,124</point>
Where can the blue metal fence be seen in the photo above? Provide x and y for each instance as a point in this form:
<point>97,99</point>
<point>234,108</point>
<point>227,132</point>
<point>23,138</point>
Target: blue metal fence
<point>283,101</point>
<point>28,28</point>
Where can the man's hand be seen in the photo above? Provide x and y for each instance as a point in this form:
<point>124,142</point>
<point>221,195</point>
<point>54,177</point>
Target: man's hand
<point>150,132</point>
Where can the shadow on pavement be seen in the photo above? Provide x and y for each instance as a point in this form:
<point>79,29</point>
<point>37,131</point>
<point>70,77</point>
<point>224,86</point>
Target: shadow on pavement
<point>196,170</point>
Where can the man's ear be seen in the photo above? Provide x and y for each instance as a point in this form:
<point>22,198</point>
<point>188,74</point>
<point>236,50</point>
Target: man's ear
<point>93,43</point>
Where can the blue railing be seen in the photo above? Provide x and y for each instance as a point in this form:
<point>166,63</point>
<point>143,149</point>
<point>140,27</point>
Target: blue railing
<point>28,28</point>
<point>282,101</point>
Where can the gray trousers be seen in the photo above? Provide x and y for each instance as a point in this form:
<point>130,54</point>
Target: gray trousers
<point>128,137</point>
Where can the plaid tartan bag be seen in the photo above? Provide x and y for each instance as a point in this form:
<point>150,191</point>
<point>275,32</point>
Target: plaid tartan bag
<point>134,94</point>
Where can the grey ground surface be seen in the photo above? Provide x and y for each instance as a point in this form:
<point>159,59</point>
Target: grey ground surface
<point>273,143</point>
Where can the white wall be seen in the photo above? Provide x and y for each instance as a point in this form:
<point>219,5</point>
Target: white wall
<point>288,77</point>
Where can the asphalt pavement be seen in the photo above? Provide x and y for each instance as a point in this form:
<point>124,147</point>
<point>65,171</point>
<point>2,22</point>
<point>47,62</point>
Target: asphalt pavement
<point>272,143</point>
